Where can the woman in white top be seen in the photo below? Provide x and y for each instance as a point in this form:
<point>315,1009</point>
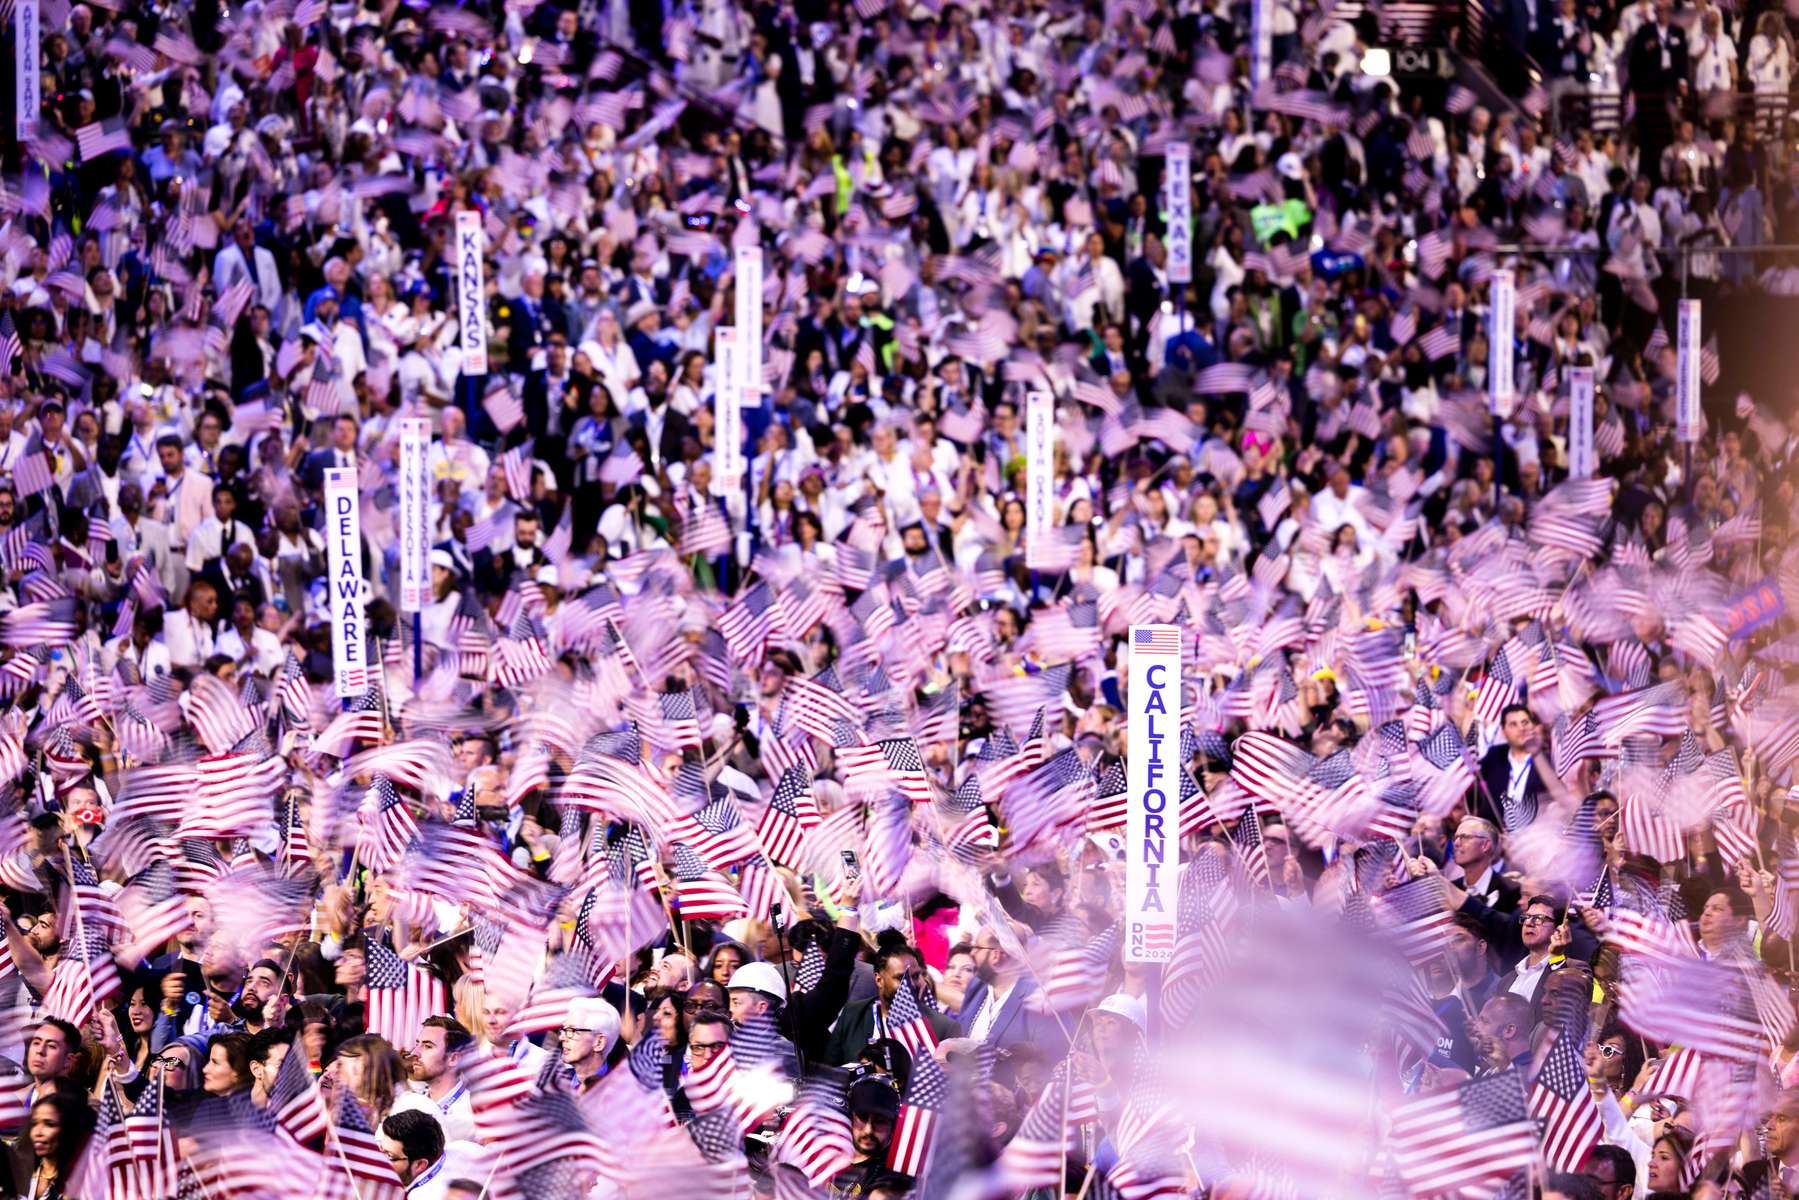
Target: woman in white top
<point>1771,55</point>
<point>1225,261</point>
<point>1770,64</point>
<point>612,357</point>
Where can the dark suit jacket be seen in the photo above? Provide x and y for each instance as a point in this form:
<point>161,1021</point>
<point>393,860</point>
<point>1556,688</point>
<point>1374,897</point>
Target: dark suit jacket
<point>856,1028</point>
<point>1506,894</point>
<point>1495,777</point>
<point>1503,933</point>
<point>1017,1022</point>
<point>247,586</point>
<point>806,1018</point>
<point>313,466</point>
<point>674,432</point>
<point>494,573</point>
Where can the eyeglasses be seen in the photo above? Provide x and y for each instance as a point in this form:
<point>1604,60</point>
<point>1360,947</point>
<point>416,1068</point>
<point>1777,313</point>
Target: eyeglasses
<point>1610,1051</point>
<point>702,1006</point>
<point>706,1049</point>
<point>1538,919</point>
<point>169,1063</point>
<point>571,1031</point>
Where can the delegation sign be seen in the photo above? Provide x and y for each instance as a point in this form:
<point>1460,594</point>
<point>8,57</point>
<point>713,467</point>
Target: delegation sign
<point>1153,824</point>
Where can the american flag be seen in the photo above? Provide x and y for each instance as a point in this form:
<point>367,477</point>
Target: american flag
<point>919,1111</point>
<point>152,1142</point>
<point>680,718</point>
<point>1727,1009</point>
<point>791,811</point>
<point>1051,797</point>
<point>100,138</point>
<point>401,995</point>
<point>816,1138</point>
<point>894,763</point>
<point>1441,769</point>
<point>702,893</point>
<point>1441,341</point>
<point>811,970</point>
<point>717,832</point>
<point>503,408</point>
<point>32,475</point>
<point>84,979</point>
<point>1647,827</point>
<point>1473,1135</point>
<point>1246,838</point>
<point>155,911</point>
<point>907,1025</point>
<point>386,826</point>
<point>516,465</point>
<point>1037,1154</point>
<point>747,623</point>
<point>818,705</point>
<point>1497,690</point>
<point>297,1104</point>
<point>1561,1100</point>
<point>234,797</point>
<point>357,1149</point>
<point>705,532</point>
<point>1421,924</point>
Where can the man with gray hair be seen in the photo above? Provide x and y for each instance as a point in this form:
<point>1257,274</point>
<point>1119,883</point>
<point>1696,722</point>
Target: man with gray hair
<point>1476,852</point>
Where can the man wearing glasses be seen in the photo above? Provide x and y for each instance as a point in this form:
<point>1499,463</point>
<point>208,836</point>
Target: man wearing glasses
<point>1544,941</point>
<point>587,1040</point>
<point>1476,852</point>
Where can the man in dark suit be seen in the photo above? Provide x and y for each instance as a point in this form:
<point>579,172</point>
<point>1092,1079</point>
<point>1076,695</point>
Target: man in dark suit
<point>494,572</point>
<point>233,574</point>
<point>530,321</point>
<point>998,1010</point>
<point>896,965</point>
<point>1658,77</point>
<point>665,428</point>
<point>340,453</point>
<point>1511,786</point>
<point>1476,852</point>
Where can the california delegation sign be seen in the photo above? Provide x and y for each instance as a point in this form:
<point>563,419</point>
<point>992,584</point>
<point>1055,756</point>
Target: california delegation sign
<point>1153,825</point>
<point>343,559</point>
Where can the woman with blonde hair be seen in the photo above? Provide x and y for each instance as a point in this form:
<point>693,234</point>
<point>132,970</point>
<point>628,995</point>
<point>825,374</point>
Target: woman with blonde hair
<point>371,1069</point>
<point>469,998</point>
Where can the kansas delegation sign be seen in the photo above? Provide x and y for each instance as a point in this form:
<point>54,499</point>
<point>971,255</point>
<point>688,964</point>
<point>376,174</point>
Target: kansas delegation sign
<point>1152,828</point>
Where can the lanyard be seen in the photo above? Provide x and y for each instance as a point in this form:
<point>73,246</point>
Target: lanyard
<point>427,1177</point>
<point>449,1101</point>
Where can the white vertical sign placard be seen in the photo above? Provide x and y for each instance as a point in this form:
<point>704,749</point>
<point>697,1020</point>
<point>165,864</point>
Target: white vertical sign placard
<point>343,559</point>
<point>1686,401</point>
<point>748,316</point>
<point>727,412</point>
<point>1502,307</point>
<point>1179,206</point>
<point>471,291</point>
<point>1152,855</point>
<point>1582,459</point>
<point>1039,471</point>
<point>415,514</point>
<point>25,69</point>
<point>1261,41</point>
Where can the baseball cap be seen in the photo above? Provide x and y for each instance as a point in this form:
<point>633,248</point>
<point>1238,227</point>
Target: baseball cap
<point>874,1096</point>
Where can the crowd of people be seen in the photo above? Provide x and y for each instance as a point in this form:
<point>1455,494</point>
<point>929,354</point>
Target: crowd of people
<point>750,818</point>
